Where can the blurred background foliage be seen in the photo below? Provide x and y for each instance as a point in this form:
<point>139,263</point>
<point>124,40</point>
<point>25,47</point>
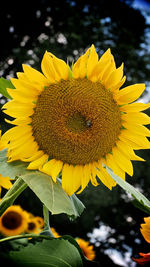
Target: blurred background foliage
<point>67,28</point>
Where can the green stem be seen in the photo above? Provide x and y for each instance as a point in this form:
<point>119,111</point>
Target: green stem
<point>46,216</point>
<point>10,238</point>
<point>47,230</point>
<point>17,188</point>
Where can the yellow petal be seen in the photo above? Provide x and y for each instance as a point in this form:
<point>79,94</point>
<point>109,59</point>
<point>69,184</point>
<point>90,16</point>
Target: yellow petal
<point>5,182</point>
<point>2,143</point>
<point>100,67</point>
<point>110,162</point>
<point>61,67</point>
<point>136,117</point>
<point>20,97</point>
<point>118,85</point>
<point>52,168</point>
<point>48,68</point>
<point>105,178</point>
<point>22,76</point>
<point>67,174</point>
<point>92,61</point>
<point>110,68</point>
<point>38,163</point>
<point>129,142</point>
<point>34,75</point>
<point>134,107</point>
<point>93,174</point>
<point>71,178</point>
<point>127,151</point>
<point>53,68</point>
<point>106,56</point>
<point>16,133</point>
<point>114,77</point>
<point>20,121</point>
<point>136,128</point>
<point>17,109</point>
<point>139,140</point>
<point>146,234</point>
<point>145,227</point>
<point>147,221</point>
<point>80,67</point>
<point>123,162</point>
<point>25,150</point>
<point>20,141</point>
<point>86,176</point>
<point>129,93</point>
<point>25,88</point>
<point>2,146</point>
<point>36,155</point>
<point>77,177</point>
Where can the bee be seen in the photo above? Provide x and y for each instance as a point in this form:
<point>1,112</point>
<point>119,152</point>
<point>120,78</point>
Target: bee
<point>88,123</point>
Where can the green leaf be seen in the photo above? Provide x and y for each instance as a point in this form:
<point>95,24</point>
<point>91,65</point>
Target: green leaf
<point>12,169</point>
<point>4,84</point>
<point>12,194</point>
<point>140,198</point>
<point>54,252</point>
<point>50,193</point>
<point>77,205</point>
<point>18,241</point>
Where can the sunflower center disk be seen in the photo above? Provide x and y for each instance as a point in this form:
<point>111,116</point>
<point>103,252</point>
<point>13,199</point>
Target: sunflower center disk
<point>76,121</point>
<point>11,220</point>
<point>31,226</point>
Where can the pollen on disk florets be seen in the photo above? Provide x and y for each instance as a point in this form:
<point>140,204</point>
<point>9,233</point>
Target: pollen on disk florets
<point>76,121</point>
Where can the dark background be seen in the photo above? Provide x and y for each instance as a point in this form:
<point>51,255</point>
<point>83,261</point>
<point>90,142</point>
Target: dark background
<point>67,28</point>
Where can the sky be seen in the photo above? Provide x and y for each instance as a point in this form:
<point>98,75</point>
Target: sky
<point>144,6</point>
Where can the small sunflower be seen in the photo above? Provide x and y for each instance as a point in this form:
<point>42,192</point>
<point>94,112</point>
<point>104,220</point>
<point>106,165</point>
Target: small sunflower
<point>75,121</point>
<point>145,230</point>
<point>87,249</point>
<point>34,223</point>
<point>40,221</point>
<point>33,226</point>
<point>55,234</point>
<point>13,221</point>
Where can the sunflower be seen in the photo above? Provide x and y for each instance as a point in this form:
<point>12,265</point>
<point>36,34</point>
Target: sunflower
<point>34,223</point>
<point>75,121</point>
<point>145,230</point>
<point>40,221</point>
<point>13,221</point>
<point>87,249</point>
<point>33,226</point>
<point>55,234</point>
